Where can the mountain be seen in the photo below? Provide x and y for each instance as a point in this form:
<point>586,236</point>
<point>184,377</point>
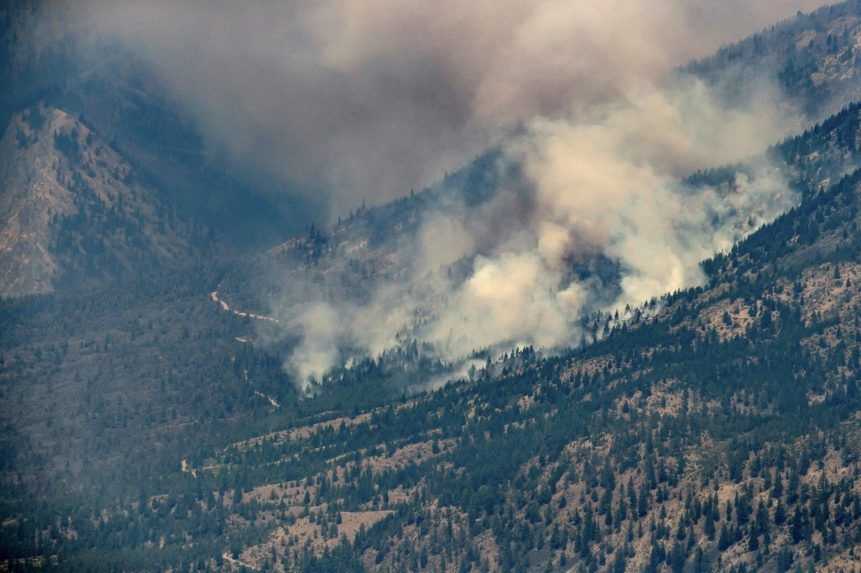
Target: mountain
<point>718,434</point>
<point>188,197</point>
<point>813,57</point>
<point>364,249</point>
<point>715,431</point>
<point>145,425</point>
<point>73,211</point>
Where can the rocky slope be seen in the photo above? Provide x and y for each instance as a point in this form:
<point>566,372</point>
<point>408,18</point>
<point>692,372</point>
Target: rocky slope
<point>205,201</point>
<point>71,209</point>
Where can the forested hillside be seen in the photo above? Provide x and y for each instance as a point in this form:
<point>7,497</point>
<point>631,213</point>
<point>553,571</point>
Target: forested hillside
<point>149,419</point>
<point>714,429</point>
<point>813,57</point>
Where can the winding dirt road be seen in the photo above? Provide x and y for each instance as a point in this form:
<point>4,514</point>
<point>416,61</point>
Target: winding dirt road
<point>223,305</point>
<point>213,296</point>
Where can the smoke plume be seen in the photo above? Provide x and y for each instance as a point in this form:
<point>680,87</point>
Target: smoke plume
<point>369,98</point>
<point>607,186</point>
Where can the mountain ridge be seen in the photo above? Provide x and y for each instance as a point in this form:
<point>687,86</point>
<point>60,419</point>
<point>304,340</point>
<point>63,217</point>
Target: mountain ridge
<point>75,199</point>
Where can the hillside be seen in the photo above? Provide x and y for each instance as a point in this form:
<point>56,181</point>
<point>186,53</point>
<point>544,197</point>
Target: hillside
<point>107,89</point>
<point>719,434</point>
<point>813,57</point>
<point>73,211</point>
<point>189,198</point>
<point>380,248</point>
<point>715,430</point>
<point>150,419</point>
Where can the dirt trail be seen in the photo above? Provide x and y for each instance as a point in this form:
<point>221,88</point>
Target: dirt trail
<point>272,401</point>
<point>213,296</point>
<point>238,563</point>
<point>223,305</point>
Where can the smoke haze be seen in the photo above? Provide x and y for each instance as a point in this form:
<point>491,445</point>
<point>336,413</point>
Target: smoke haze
<point>368,99</point>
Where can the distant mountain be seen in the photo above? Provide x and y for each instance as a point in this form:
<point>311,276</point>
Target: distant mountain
<point>73,210</point>
<point>117,101</point>
<point>815,58</point>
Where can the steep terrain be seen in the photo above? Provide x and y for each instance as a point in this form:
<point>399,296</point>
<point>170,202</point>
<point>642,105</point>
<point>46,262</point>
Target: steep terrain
<point>142,426</point>
<point>72,210</point>
<point>719,435</point>
<point>188,197</point>
<point>814,57</point>
<point>363,250</point>
<point>373,249</point>
<point>717,432</point>
<point>713,430</point>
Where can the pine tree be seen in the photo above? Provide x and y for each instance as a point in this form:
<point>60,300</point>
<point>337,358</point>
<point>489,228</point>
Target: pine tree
<point>723,539</point>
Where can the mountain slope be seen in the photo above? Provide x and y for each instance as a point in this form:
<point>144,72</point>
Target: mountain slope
<point>714,430</point>
<point>72,211</point>
<point>722,434</point>
<point>46,63</point>
<point>813,57</point>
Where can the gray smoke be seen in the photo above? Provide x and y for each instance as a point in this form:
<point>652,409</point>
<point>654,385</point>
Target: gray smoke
<point>369,98</point>
<point>606,185</point>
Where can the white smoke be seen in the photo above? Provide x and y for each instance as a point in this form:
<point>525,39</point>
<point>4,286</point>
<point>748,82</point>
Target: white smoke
<point>605,185</point>
<point>611,184</point>
<point>368,98</point>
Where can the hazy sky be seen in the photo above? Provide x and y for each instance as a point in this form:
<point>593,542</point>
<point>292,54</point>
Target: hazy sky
<point>370,98</point>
